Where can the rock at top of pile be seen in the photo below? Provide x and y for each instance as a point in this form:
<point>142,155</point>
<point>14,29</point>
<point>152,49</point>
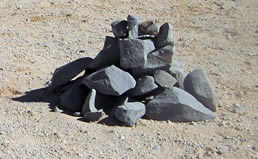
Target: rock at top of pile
<point>130,113</point>
<point>110,81</point>
<point>119,28</point>
<point>164,79</point>
<point>177,105</point>
<point>165,36</point>
<point>149,27</point>
<point>65,73</point>
<point>165,53</point>
<point>132,21</point>
<point>133,52</point>
<point>144,85</point>
<point>109,55</point>
<point>198,84</point>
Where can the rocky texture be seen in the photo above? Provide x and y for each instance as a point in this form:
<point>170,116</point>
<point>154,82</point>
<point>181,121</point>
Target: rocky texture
<point>165,53</point>
<point>93,116</point>
<point>149,27</point>
<point>110,81</point>
<point>198,84</point>
<point>164,79</point>
<point>119,28</point>
<point>129,113</point>
<point>165,36</point>
<point>132,21</point>
<point>177,105</point>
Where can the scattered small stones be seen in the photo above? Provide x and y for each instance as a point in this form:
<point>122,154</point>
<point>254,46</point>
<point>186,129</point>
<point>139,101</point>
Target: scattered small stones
<point>237,108</point>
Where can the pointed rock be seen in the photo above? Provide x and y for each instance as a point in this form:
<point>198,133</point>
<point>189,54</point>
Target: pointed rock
<point>110,81</point>
<point>119,28</point>
<point>177,105</point>
<point>198,84</point>
<point>164,79</point>
<point>144,85</point>
<point>132,21</point>
<point>149,27</point>
<point>165,36</point>
<point>89,104</point>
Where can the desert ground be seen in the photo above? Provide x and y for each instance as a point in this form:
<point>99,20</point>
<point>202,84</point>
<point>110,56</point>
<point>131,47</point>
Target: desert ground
<point>37,36</point>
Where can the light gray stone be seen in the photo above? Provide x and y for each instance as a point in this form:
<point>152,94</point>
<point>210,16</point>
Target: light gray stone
<point>110,81</point>
<point>144,85</point>
<point>130,113</point>
<point>132,21</point>
<point>149,27</point>
<point>89,104</point>
<point>164,79</point>
<point>165,53</point>
<point>64,74</point>
<point>119,28</point>
<point>198,84</point>
<point>177,105</point>
<point>133,52</point>
<point>107,56</point>
<point>165,36</point>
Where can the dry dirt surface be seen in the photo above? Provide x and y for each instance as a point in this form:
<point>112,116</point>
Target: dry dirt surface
<point>36,36</point>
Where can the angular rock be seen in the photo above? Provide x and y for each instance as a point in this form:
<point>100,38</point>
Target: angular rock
<point>132,21</point>
<point>89,104</point>
<point>149,27</point>
<point>165,36</point>
<point>153,63</point>
<point>107,56</point>
<point>93,116</point>
<point>73,98</point>
<point>130,113</point>
<point>176,67</point>
<point>64,74</point>
<point>133,52</point>
<point>180,77</point>
<point>144,85</point>
<point>119,28</point>
<point>165,53</point>
<point>198,84</point>
<point>110,81</point>
<point>177,105</point>
<point>164,79</point>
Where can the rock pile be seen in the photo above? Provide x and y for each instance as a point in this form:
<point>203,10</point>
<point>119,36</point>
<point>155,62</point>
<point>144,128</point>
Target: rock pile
<point>134,76</point>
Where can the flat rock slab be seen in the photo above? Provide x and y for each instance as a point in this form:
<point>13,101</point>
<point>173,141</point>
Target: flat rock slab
<point>165,36</point>
<point>119,28</point>
<point>177,105</point>
<point>164,79</point>
<point>64,74</point>
<point>144,85</point>
<point>130,113</point>
<point>198,84</point>
<point>133,52</point>
<point>110,81</point>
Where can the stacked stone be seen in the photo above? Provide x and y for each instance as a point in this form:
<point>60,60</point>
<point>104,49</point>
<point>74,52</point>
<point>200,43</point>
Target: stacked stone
<point>134,76</point>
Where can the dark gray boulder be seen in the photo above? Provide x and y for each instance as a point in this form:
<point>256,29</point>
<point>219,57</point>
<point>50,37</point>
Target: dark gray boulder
<point>110,81</point>
<point>165,53</point>
<point>65,73</point>
<point>165,36</point>
<point>149,27</point>
<point>144,85</point>
<point>119,28</point>
<point>198,84</point>
<point>177,105</point>
<point>133,52</point>
<point>164,79</point>
<point>73,98</point>
<point>154,63</point>
<point>107,56</point>
<point>93,116</point>
<point>130,113</point>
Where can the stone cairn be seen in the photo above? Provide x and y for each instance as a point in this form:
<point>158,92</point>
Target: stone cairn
<point>133,76</point>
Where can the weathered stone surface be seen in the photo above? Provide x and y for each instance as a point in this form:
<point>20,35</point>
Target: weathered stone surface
<point>73,98</point>
<point>164,79</point>
<point>132,21</point>
<point>153,63</point>
<point>110,81</point>
<point>133,52</point>
<point>119,28</point>
<point>130,113</point>
<point>149,27</point>
<point>177,105</point>
<point>144,85</point>
<point>165,53</point>
<point>165,36</point>
<point>176,67</point>
<point>64,74</point>
<point>93,116</point>
<point>198,84</point>
<point>107,56</point>
<point>89,104</point>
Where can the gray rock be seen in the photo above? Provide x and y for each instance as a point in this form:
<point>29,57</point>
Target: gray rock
<point>176,67</point>
<point>164,79</point>
<point>236,108</point>
<point>198,84</point>
<point>144,85</point>
<point>89,104</point>
<point>177,105</point>
<point>165,53</point>
<point>130,113</point>
<point>149,27</point>
<point>110,81</point>
<point>134,32</point>
<point>107,56</point>
<point>64,74</point>
<point>133,52</point>
<point>165,36</point>
<point>180,77</point>
<point>73,98</point>
<point>119,28</point>
<point>132,21</point>
<point>93,116</point>
<point>154,63</point>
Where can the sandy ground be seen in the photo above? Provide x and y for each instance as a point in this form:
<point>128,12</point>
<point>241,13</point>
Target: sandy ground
<point>36,36</point>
